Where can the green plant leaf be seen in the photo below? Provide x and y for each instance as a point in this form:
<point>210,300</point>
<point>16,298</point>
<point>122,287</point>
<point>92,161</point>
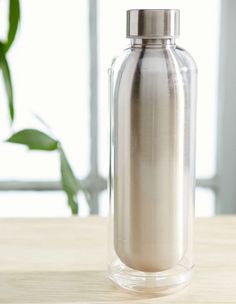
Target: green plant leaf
<point>7,82</point>
<point>38,140</point>
<point>13,22</point>
<point>68,181</point>
<point>73,203</point>
<point>34,140</point>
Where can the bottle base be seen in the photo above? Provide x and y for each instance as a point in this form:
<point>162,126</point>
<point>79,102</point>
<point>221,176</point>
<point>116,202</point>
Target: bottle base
<point>159,283</point>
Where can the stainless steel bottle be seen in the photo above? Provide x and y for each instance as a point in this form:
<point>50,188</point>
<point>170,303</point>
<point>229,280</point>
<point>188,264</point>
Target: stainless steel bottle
<point>153,97</point>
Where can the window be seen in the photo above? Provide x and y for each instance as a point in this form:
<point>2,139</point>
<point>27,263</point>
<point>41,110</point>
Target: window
<point>59,66</point>
<point>49,63</point>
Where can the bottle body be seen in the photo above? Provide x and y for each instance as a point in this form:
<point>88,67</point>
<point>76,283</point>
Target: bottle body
<point>152,159</point>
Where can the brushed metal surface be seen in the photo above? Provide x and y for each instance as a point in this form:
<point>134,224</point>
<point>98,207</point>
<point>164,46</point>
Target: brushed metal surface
<point>153,23</point>
<point>154,151</point>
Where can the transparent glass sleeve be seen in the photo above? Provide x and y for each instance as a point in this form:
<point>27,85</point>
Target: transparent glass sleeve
<point>152,166</point>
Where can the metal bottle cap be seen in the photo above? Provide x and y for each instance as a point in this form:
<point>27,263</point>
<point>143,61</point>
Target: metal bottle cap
<point>153,23</point>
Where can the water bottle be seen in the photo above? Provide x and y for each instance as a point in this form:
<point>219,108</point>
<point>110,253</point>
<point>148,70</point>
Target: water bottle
<point>152,156</point>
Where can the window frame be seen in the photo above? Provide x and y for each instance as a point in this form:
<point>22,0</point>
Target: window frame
<point>222,184</point>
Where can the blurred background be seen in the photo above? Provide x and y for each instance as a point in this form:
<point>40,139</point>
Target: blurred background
<point>59,63</point>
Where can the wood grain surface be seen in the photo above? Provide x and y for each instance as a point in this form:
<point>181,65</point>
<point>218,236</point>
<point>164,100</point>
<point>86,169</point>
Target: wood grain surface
<point>64,261</point>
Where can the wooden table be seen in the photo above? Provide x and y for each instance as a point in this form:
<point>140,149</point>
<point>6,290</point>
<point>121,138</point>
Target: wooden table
<point>64,261</point>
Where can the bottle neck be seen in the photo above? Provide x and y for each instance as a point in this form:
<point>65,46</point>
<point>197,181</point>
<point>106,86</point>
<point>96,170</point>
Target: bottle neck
<point>162,43</point>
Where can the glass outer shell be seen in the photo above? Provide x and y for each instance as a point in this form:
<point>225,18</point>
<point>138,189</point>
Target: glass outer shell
<point>152,166</point>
